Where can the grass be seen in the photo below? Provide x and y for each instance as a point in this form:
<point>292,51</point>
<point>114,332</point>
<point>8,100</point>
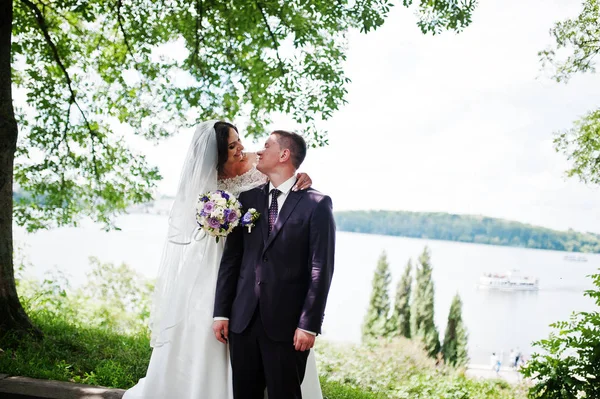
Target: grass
<point>337,390</point>
<point>67,352</point>
<point>98,356</point>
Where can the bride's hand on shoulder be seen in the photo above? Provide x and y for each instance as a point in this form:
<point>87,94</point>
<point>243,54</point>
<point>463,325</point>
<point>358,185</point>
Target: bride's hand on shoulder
<point>304,181</point>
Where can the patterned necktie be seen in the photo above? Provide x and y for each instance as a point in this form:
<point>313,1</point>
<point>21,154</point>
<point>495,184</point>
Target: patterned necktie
<point>273,209</point>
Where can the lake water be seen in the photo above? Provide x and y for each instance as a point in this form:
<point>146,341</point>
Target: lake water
<point>496,321</point>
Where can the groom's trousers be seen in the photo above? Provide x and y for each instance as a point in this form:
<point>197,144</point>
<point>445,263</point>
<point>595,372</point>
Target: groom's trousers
<point>257,361</point>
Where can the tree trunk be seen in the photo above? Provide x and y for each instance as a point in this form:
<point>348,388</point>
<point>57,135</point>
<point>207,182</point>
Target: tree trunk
<point>12,315</point>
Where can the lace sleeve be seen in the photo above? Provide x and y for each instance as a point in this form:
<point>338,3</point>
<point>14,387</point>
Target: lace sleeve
<point>247,181</point>
<point>256,178</point>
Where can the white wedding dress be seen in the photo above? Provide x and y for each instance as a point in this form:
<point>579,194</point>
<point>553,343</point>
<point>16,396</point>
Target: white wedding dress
<point>193,364</point>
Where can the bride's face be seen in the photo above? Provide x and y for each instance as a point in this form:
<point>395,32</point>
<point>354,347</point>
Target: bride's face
<point>234,147</point>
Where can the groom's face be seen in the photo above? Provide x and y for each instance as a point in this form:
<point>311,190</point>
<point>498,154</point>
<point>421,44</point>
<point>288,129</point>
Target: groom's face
<point>270,155</point>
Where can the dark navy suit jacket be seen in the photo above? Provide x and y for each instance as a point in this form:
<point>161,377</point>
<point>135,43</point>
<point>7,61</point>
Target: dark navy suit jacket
<point>287,274</point>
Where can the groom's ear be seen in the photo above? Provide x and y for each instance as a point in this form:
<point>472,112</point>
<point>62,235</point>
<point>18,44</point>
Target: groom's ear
<point>285,155</point>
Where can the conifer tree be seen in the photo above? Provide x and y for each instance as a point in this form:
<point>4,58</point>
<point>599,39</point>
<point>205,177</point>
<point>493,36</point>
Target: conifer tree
<point>400,321</point>
<point>422,313</point>
<point>376,322</point>
<point>456,338</point>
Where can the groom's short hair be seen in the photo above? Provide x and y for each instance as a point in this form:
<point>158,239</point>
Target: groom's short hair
<point>293,142</point>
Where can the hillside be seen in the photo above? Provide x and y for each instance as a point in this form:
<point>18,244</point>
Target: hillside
<point>465,228</point>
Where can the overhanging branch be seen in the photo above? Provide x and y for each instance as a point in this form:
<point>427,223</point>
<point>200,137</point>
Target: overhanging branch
<point>122,29</point>
<point>273,38</point>
<point>39,16</point>
<point>62,16</point>
<point>199,17</point>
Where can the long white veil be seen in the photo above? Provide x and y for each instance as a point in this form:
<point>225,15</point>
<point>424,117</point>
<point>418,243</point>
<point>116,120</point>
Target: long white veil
<point>174,284</point>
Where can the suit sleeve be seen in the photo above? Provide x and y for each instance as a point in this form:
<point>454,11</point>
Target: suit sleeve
<point>229,272</point>
<point>322,251</point>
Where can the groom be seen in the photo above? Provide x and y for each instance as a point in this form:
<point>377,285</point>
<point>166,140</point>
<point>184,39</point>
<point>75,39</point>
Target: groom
<point>274,279</point>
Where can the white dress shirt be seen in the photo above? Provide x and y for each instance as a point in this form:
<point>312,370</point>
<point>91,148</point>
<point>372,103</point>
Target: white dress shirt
<point>285,189</point>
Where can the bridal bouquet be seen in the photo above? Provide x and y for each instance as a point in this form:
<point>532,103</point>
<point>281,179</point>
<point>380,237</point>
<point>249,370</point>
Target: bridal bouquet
<point>218,213</point>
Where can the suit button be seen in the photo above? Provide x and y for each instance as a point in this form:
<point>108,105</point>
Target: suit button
<point>260,282</point>
<point>265,259</point>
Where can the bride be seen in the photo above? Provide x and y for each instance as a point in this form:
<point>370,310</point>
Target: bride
<point>187,362</point>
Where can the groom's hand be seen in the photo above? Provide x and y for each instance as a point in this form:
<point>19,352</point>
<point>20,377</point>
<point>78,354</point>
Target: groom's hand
<point>221,330</point>
<point>303,341</point>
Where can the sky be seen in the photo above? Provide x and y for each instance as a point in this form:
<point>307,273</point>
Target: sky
<point>460,123</point>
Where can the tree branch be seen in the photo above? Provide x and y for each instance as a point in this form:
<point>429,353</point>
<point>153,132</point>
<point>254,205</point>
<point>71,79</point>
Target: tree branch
<point>120,20</point>
<point>73,98</point>
<point>67,20</point>
<point>585,43</point>
<point>273,38</point>
<point>199,17</point>
<point>65,138</point>
<point>590,58</point>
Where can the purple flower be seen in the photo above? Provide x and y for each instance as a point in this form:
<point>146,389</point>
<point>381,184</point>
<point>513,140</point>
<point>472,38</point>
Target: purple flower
<point>214,223</point>
<point>247,218</point>
<point>204,199</point>
<point>231,217</point>
<point>225,226</point>
<point>209,207</point>
<point>224,195</point>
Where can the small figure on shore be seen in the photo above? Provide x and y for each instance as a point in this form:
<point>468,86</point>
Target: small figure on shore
<point>522,361</point>
<point>518,357</point>
<point>495,363</point>
<point>512,358</point>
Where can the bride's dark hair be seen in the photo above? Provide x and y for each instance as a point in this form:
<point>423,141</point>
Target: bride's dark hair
<point>222,132</point>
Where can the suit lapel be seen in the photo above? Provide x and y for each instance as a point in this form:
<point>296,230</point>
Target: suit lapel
<point>288,207</point>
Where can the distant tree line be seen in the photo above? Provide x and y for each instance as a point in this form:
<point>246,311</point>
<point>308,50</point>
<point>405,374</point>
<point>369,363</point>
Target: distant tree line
<point>412,313</point>
<point>466,228</point>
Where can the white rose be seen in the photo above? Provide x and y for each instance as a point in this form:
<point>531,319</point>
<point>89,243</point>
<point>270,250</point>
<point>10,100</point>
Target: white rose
<point>221,202</point>
<point>218,213</point>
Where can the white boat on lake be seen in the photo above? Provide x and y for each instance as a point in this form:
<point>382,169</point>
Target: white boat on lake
<point>510,281</point>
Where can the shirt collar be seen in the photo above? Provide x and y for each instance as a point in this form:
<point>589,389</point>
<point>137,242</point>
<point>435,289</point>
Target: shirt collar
<point>284,187</point>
